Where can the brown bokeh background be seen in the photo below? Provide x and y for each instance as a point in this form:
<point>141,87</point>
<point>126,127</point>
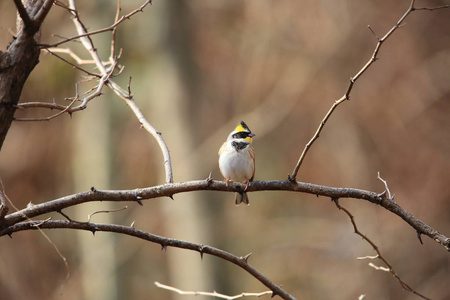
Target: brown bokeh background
<point>197,68</point>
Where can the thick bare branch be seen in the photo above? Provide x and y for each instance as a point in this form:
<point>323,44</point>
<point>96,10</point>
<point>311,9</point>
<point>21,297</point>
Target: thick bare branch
<point>27,22</point>
<point>43,11</point>
<point>163,241</point>
<point>168,190</point>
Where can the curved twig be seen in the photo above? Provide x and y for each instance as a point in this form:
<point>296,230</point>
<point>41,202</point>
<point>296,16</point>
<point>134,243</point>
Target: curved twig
<point>389,268</point>
<point>163,241</point>
<point>346,96</point>
<point>109,28</point>
<point>84,36</point>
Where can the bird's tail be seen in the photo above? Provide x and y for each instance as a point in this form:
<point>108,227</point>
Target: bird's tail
<point>242,198</point>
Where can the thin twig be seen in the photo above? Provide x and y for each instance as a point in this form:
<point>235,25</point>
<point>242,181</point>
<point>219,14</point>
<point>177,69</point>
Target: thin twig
<point>432,8</point>
<point>36,225</point>
<point>121,93</point>
<point>106,29</point>
<point>213,294</point>
<point>105,212</point>
<point>389,195</point>
<point>346,96</point>
<point>66,109</point>
<point>114,31</point>
<point>92,93</point>
<point>389,268</point>
<point>79,61</point>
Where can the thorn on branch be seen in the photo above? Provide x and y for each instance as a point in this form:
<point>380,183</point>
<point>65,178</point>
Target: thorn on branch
<point>164,247</point>
<point>93,189</point>
<point>245,258</point>
<point>373,32</point>
<point>209,179</point>
<point>200,249</point>
<point>171,197</point>
<point>419,236</point>
<point>138,200</point>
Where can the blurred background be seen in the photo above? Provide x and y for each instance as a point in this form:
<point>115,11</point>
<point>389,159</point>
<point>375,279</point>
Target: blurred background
<point>198,68</point>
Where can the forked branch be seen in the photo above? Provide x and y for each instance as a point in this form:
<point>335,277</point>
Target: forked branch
<point>379,256</point>
<point>84,36</point>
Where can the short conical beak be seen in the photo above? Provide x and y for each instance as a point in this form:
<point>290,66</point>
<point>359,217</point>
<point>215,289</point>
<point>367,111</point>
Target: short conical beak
<point>251,134</point>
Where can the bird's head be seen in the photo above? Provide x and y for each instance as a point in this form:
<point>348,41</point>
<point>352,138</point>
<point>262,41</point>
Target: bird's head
<point>241,132</point>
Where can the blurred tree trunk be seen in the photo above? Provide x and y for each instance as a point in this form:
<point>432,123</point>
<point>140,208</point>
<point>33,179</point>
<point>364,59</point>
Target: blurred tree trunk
<point>92,167</point>
<point>172,92</point>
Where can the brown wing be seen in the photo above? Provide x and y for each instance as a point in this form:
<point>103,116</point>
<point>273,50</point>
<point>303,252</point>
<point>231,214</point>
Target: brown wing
<point>222,148</point>
<point>252,156</point>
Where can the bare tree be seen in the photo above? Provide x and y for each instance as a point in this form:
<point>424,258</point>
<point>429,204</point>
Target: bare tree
<point>21,57</point>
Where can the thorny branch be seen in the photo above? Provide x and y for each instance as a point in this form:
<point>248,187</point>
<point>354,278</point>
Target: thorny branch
<point>110,28</point>
<point>106,70</point>
<point>353,79</point>
<point>163,241</point>
<point>121,93</point>
<point>95,92</point>
<point>168,190</point>
<point>20,220</point>
<point>389,268</point>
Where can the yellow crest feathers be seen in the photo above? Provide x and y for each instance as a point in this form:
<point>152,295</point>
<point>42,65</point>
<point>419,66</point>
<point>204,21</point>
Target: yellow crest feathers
<point>242,127</point>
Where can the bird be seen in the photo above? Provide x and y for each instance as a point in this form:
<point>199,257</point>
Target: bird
<point>237,159</point>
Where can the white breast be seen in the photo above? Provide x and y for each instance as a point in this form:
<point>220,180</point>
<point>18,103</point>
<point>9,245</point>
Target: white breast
<point>237,166</point>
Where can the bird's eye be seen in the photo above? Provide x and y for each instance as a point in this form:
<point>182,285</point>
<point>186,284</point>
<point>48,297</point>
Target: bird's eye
<point>241,135</point>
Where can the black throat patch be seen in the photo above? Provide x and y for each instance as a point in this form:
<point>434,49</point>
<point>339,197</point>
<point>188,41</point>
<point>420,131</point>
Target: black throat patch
<point>239,145</point>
